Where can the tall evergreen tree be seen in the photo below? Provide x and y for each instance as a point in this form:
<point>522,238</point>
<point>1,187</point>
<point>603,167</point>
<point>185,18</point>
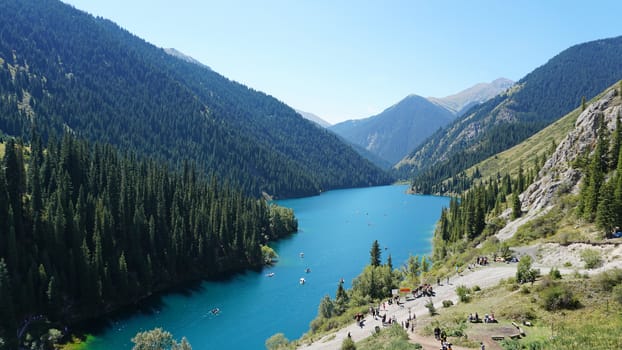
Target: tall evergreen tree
<point>374,254</point>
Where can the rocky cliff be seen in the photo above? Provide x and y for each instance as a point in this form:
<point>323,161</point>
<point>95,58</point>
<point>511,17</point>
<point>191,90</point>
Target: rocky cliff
<point>558,176</point>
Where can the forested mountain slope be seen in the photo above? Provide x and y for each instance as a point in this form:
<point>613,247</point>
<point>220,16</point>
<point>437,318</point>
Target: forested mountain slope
<point>85,230</point>
<point>65,70</point>
<point>538,99</point>
<point>572,189</point>
<point>398,129</point>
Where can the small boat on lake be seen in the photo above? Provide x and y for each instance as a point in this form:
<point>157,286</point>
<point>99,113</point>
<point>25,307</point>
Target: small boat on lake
<point>270,274</point>
<point>302,280</point>
<point>307,270</point>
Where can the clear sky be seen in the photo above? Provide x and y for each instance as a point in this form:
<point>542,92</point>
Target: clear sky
<point>347,59</point>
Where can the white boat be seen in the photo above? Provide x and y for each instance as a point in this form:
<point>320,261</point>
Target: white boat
<point>302,280</point>
<point>302,255</point>
<point>270,274</point>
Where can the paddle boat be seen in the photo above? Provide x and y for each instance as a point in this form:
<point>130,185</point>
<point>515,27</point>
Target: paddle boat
<point>302,280</point>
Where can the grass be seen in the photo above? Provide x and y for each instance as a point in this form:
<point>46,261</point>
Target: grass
<point>594,325</point>
<point>390,338</point>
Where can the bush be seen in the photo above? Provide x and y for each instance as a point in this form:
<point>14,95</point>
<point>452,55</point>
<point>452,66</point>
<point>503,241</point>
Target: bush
<point>277,341</point>
<point>609,279</point>
<point>524,272</point>
<point>447,303</point>
<point>591,258</point>
<point>555,274</point>
<point>348,344</point>
<point>558,297</point>
<point>327,307</point>
<point>431,308</point>
<point>463,293</point>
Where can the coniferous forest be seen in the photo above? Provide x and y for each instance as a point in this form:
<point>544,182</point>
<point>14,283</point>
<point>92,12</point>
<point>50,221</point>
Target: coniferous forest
<point>86,229</point>
<point>476,214</point>
<point>66,70</point>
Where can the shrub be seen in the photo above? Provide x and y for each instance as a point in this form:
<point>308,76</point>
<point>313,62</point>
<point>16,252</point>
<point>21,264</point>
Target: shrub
<point>476,288</point>
<point>431,308</point>
<point>524,272</point>
<point>326,308</point>
<point>463,293</point>
<point>277,341</point>
<point>558,297</point>
<point>447,303</point>
<point>591,258</point>
<point>555,274</point>
<point>609,279</point>
<point>348,344</point>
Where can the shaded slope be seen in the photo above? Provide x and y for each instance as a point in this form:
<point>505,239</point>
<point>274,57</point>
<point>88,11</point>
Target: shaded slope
<point>66,70</point>
<point>398,129</point>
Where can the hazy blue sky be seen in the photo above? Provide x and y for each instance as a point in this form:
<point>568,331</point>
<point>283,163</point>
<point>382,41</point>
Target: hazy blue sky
<point>343,59</point>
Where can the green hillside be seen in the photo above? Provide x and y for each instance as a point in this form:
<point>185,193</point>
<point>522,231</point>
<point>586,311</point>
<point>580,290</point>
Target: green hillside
<point>65,70</point>
<point>537,100</point>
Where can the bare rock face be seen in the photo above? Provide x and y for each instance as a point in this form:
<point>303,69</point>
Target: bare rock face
<point>557,173</point>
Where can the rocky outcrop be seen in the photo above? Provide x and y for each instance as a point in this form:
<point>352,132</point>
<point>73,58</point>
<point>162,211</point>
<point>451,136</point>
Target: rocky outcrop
<point>557,176</point>
<point>557,173</point>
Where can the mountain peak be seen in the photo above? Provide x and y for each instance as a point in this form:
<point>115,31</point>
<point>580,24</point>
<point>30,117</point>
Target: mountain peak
<point>478,93</point>
<point>314,118</point>
<point>176,53</point>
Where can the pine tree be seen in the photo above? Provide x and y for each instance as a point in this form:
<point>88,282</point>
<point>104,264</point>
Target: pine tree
<point>374,253</point>
<point>605,213</point>
<point>516,207</point>
<point>7,321</point>
<point>596,173</point>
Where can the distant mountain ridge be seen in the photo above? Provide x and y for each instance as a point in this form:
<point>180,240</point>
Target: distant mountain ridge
<point>398,129</point>
<point>395,132</point>
<point>476,94</point>
<point>541,97</point>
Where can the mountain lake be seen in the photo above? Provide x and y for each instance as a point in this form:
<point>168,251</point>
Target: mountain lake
<point>336,232</point>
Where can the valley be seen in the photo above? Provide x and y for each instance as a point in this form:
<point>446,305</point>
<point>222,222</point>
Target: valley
<point>143,192</point>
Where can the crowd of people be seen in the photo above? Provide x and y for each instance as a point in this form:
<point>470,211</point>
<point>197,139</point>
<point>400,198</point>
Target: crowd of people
<point>424,290</point>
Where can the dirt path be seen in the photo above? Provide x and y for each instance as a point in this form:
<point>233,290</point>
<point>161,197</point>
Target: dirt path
<point>481,276</point>
<point>545,256</point>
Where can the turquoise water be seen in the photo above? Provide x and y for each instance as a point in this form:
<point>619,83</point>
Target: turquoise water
<point>337,229</point>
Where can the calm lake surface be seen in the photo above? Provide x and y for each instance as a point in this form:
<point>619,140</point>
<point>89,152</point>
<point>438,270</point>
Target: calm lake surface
<point>336,231</point>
